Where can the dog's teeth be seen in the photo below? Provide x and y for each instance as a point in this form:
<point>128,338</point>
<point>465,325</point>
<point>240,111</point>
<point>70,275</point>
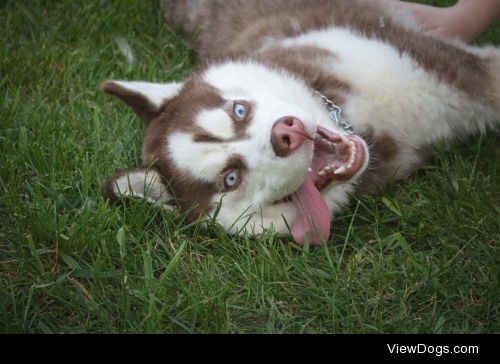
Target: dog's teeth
<point>344,138</point>
<point>322,173</point>
<point>309,170</point>
<point>328,168</point>
<point>340,170</point>
<point>336,139</point>
<point>349,166</point>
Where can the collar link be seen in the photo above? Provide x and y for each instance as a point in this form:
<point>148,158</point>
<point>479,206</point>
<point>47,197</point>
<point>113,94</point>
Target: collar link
<point>335,113</point>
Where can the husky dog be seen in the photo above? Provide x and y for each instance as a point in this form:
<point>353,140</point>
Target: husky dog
<point>297,104</point>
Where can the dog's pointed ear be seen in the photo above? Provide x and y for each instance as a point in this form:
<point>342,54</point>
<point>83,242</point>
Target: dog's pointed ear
<point>144,98</point>
<point>140,183</point>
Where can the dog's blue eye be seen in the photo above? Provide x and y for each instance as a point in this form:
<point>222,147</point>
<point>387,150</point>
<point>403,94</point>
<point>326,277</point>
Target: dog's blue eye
<point>240,111</point>
<point>232,179</point>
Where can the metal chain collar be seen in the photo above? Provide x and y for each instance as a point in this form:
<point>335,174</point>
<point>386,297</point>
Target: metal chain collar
<point>335,113</point>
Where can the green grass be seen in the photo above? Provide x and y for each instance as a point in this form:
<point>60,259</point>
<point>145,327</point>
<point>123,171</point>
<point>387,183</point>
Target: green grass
<point>423,257</point>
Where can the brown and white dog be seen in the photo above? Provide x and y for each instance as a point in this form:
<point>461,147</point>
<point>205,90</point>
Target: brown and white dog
<point>247,138</point>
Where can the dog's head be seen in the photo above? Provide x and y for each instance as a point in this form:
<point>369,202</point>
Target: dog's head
<point>248,145</point>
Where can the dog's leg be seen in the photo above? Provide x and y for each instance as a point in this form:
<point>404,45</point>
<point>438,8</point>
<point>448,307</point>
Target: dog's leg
<point>480,94</point>
<point>494,64</point>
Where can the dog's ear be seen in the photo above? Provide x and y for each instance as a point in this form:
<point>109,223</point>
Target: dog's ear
<point>140,183</point>
<point>144,98</point>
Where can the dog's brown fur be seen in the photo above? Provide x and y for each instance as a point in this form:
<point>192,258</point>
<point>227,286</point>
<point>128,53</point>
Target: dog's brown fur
<point>243,27</point>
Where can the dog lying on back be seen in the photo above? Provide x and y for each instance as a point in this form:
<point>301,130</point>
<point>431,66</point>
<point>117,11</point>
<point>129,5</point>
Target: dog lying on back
<point>296,105</point>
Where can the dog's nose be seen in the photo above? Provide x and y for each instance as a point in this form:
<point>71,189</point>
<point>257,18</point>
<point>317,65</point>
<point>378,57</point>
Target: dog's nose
<point>287,135</point>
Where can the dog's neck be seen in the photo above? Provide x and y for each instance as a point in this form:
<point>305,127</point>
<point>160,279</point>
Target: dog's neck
<point>335,113</point>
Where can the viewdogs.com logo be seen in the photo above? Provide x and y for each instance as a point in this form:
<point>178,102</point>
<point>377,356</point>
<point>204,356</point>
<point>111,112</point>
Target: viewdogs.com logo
<point>437,350</point>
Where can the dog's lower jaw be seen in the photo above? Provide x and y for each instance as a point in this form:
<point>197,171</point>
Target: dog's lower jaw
<point>338,159</point>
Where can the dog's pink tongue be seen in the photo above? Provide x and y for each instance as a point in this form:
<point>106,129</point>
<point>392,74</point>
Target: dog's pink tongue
<point>313,216</point>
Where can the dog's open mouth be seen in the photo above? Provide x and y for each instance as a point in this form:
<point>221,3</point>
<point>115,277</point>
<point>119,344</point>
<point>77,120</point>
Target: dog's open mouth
<point>337,157</point>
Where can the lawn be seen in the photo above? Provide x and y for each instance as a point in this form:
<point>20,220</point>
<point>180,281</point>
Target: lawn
<point>422,257</point>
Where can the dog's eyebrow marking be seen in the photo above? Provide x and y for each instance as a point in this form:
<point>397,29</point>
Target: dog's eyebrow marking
<point>201,161</point>
<point>216,122</point>
<point>236,161</point>
<point>202,137</point>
